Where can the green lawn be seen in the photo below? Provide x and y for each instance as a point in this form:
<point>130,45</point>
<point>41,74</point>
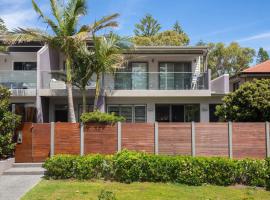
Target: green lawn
<point>65,190</point>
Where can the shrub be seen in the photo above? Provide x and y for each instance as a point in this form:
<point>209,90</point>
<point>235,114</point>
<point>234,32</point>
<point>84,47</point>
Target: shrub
<point>99,117</point>
<point>8,125</point>
<point>129,166</point>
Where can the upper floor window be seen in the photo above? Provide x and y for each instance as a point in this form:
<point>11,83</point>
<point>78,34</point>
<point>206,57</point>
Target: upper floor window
<point>133,77</point>
<point>175,75</point>
<point>25,66</point>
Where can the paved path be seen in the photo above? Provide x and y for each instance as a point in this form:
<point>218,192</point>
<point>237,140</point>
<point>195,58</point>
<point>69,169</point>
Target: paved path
<point>13,187</point>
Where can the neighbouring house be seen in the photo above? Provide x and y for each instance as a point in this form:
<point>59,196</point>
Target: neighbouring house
<point>259,71</point>
<point>164,84</point>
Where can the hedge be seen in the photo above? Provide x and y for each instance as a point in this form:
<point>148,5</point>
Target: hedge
<point>129,166</point>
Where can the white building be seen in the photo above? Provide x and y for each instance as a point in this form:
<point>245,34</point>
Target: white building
<point>166,84</point>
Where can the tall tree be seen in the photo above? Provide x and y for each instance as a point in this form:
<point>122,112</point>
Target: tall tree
<point>229,59</point>
<point>166,38</point>
<point>148,26</point>
<point>177,28</point>
<point>262,56</point>
<point>66,33</point>
<point>83,70</point>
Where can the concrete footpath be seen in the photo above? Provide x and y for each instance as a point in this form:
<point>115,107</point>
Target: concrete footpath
<point>13,187</point>
<point>19,179</point>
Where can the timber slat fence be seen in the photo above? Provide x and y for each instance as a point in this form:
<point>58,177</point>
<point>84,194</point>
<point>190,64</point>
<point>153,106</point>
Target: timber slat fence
<point>234,140</point>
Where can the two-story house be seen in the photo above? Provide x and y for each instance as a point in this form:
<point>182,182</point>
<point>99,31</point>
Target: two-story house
<point>164,84</point>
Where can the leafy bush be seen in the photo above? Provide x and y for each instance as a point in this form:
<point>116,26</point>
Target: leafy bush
<point>250,103</point>
<point>99,117</point>
<point>8,123</point>
<point>129,166</point>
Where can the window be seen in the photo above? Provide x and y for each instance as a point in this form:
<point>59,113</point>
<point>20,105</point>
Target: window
<point>89,108</point>
<point>192,113</point>
<point>134,77</point>
<point>236,86</point>
<point>61,113</point>
<point>26,111</point>
<point>178,112</point>
<point>24,66</point>
<point>132,113</point>
<point>212,115</point>
<point>175,76</point>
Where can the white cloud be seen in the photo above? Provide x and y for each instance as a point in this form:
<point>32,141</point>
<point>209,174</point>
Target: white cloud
<point>19,13</point>
<point>20,18</point>
<point>259,36</point>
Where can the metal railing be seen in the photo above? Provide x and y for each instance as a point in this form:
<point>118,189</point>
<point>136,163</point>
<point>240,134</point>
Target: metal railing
<point>157,81</point>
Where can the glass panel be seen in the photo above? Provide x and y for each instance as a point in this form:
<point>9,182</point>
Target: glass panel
<point>123,81</point>
<point>162,113</point>
<point>126,112</point>
<point>139,76</point>
<point>27,66</point>
<point>140,115</point>
<point>178,113</point>
<point>26,111</point>
<point>192,113</point>
<point>114,109</point>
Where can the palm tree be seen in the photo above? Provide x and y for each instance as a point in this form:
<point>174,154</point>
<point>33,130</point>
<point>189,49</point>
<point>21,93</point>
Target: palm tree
<point>108,57</point>
<point>66,34</point>
<point>83,70</point>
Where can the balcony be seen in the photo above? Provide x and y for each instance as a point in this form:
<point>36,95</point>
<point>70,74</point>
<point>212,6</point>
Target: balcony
<point>158,84</point>
<point>18,79</point>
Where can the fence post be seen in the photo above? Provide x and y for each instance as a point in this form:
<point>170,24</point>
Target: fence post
<point>119,136</point>
<point>82,139</point>
<point>267,133</point>
<point>193,138</point>
<point>156,138</point>
<point>230,132</point>
<point>52,139</point>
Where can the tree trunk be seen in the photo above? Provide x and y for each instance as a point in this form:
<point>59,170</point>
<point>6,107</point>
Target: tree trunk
<point>71,112</point>
<point>96,93</point>
<point>84,100</point>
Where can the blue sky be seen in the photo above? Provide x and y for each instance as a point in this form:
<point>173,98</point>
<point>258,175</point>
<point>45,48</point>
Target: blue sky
<point>244,21</point>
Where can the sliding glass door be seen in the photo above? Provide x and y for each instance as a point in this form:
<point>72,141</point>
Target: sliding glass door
<point>134,77</point>
<point>175,75</point>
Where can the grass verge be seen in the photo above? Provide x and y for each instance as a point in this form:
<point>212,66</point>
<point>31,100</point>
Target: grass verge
<point>82,190</point>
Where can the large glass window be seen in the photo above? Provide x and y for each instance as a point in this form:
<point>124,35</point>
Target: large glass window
<point>177,113</point>
<point>134,77</point>
<point>25,66</point>
<point>132,113</point>
<point>26,111</point>
<point>175,75</point>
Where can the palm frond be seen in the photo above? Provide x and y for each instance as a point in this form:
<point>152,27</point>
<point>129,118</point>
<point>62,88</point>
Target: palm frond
<point>46,20</point>
<point>104,22</point>
<point>57,13</point>
<point>21,35</point>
